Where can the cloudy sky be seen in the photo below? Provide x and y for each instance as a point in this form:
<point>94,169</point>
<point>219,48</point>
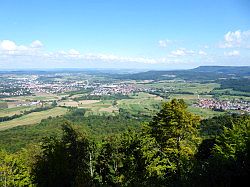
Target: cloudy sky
<point>131,34</point>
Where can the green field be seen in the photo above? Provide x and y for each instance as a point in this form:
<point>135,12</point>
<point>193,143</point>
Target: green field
<point>15,110</point>
<point>142,103</point>
<point>38,96</point>
<point>183,86</point>
<point>204,113</point>
<point>104,107</point>
<point>32,118</point>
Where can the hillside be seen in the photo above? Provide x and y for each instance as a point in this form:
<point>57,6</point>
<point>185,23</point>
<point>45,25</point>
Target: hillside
<point>238,70</point>
<point>201,73</point>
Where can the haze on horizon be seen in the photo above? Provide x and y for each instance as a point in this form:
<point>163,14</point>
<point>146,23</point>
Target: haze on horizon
<point>131,34</point>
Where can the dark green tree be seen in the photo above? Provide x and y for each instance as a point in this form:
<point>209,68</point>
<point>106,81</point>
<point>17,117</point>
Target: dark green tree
<point>108,162</point>
<point>225,160</point>
<point>133,168</point>
<point>64,162</point>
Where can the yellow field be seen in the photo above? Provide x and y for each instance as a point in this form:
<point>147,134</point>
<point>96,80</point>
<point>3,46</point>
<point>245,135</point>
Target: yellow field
<point>109,109</point>
<point>86,102</point>
<point>68,103</point>
<point>32,118</point>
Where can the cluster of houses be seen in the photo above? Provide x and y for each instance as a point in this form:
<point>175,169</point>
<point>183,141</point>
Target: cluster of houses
<point>32,103</point>
<point>26,86</point>
<point>123,89</point>
<point>224,104</point>
<point>20,92</point>
<point>53,88</point>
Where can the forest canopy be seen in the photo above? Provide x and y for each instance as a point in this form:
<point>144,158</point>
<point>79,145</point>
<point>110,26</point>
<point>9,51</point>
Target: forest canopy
<point>174,148</point>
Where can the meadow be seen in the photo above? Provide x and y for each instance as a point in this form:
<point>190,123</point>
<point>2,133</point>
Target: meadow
<point>15,110</point>
<point>32,118</point>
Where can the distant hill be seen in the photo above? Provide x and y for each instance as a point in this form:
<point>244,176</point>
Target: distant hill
<point>239,70</point>
<point>202,73</point>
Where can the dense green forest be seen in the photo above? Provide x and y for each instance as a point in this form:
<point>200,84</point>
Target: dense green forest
<point>174,148</point>
<point>236,84</point>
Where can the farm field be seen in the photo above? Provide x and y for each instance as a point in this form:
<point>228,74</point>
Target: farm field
<point>141,103</point>
<point>97,107</point>
<point>204,113</point>
<point>37,96</point>
<point>180,86</point>
<point>15,110</point>
<point>32,118</point>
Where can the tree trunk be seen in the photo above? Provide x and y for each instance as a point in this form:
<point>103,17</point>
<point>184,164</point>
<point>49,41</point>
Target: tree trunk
<point>91,165</point>
<point>178,159</point>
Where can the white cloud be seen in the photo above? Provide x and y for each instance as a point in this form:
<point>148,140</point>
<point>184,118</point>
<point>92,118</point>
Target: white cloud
<point>74,53</point>
<point>181,52</point>
<point>232,53</point>
<point>22,48</point>
<point>203,53</point>
<point>8,45</point>
<point>34,53</point>
<point>36,44</point>
<point>236,39</point>
<point>164,43</point>
<point>233,36</point>
<point>115,58</point>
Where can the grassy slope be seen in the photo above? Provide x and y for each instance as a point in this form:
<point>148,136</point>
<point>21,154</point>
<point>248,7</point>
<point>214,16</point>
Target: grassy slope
<point>15,110</point>
<point>32,118</point>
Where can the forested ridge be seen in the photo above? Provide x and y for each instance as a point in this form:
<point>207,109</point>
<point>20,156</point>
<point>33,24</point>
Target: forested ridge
<point>174,148</point>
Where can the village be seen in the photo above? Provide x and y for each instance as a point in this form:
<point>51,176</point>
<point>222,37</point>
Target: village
<point>223,105</point>
<point>123,89</point>
<point>32,84</point>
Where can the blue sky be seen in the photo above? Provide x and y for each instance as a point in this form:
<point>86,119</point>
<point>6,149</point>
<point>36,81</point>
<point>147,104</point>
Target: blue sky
<point>153,34</point>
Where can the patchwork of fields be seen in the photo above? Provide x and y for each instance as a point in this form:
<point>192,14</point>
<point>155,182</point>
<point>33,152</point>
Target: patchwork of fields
<point>136,104</point>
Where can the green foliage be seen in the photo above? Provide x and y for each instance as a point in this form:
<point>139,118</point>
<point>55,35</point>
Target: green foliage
<point>133,157</point>
<point>225,160</point>
<point>213,127</point>
<point>14,170</point>
<point>101,97</point>
<point>54,103</point>
<point>165,152</point>
<point>108,162</point>
<point>98,126</point>
<point>176,135</point>
<point>65,161</point>
<point>236,84</point>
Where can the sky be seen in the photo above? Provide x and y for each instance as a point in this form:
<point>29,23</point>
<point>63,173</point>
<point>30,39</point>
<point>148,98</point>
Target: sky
<point>124,34</point>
